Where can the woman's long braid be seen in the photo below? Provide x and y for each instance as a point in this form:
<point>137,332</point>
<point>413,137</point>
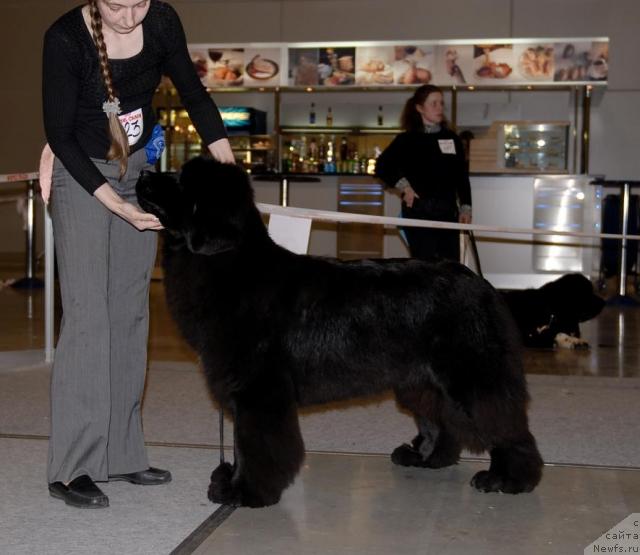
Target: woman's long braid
<point>119,149</point>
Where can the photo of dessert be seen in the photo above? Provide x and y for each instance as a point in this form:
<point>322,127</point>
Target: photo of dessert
<point>535,61</point>
<point>219,67</point>
<point>413,64</point>
<point>374,65</point>
<point>581,61</point>
<point>336,66</point>
<point>493,61</point>
<point>263,67</point>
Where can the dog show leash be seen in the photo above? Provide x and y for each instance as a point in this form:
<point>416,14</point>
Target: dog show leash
<point>221,415</point>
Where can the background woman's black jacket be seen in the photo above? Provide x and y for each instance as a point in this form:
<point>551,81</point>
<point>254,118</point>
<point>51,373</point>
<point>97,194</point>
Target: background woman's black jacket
<point>439,179</point>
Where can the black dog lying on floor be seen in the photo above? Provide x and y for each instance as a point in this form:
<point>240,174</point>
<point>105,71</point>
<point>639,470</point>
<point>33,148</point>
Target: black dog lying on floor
<point>276,330</point>
<point>550,315</point>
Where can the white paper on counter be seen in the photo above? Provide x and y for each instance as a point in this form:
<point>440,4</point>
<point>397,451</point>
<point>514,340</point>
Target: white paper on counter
<point>290,233</point>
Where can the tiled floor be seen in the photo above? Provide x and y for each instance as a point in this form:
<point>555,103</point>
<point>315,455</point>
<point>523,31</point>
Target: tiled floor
<point>350,503</point>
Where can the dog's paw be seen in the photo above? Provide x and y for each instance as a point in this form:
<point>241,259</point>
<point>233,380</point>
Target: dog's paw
<point>487,481</point>
<point>565,341</point>
<point>221,489</point>
<point>405,455</point>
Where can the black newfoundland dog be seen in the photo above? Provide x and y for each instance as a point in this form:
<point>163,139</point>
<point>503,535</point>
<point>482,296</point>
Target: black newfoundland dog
<point>276,330</point>
<point>550,315</point>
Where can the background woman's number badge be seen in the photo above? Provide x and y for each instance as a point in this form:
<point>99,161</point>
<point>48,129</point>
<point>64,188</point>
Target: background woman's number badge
<point>447,146</point>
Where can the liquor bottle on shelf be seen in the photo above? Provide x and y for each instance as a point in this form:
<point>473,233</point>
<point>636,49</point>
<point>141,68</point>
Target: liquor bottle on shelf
<point>286,158</point>
<point>355,163</point>
<point>329,117</point>
<point>344,149</point>
<point>313,156</point>
<point>330,164</point>
<point>380,116</point>
<point>312,114</point>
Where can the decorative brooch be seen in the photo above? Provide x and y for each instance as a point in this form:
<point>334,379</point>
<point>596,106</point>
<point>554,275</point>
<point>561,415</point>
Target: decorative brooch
<point>112,106</point>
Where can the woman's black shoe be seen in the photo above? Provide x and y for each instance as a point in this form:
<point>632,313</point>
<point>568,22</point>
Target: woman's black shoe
<point>81,492</point>
<point>149,477</point>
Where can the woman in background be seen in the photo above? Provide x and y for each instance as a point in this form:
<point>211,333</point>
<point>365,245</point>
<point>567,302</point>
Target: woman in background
<point>427,164</point>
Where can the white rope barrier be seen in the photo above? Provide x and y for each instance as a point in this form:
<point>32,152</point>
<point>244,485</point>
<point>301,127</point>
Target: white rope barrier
<point>348,217</point>
<point>309,213</point>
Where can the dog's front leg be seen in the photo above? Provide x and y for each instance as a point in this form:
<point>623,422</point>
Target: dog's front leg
<point>268,446</point>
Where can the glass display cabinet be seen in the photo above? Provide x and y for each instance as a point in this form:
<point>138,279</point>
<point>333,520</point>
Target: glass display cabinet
<point>534,146</point>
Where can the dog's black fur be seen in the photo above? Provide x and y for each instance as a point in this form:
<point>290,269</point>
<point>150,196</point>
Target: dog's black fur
<point>276,331</point>
<point>555,308</point>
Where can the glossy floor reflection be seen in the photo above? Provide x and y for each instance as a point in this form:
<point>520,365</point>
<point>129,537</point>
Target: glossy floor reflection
<point>365,505</point>
<point>614,337</point>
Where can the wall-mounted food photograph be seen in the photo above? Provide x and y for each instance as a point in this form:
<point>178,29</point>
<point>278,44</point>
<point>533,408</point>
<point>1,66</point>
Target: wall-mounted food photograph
<point>336,66</point>
<point>453,64</point>
<point>374,65</point>
<point>534,62</point>
<point>303,67</point>
<point>219,67</point>
<point>413,64</point>
<point>262,67</point>
<point>492,62</point>
<point>581,61</point>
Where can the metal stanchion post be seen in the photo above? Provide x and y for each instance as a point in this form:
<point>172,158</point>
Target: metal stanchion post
<point>49,259</point>
<point>625,200</point>
<point>284,191</point>
<point>622,286</point>
<point>30,281</point>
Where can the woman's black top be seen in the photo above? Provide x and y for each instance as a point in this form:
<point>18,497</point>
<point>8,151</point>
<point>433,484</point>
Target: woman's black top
<point>432,163</point>
<point>73,90</point>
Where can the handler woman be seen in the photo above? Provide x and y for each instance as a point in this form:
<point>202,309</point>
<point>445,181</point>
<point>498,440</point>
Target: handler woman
<point>427,164</point>
<point>102,64</point>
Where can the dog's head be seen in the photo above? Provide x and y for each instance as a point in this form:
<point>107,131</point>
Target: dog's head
<point>207,205</point>
<point>573,295</point>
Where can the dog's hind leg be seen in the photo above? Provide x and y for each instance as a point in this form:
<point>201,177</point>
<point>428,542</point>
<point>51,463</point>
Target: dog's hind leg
<point>516,467</point>
<point>434,446</point>
<point>268,445</point>
<point>516,464</point>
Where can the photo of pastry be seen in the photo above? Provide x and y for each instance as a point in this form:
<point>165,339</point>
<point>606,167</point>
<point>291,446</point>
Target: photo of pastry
<point>303,66</point>
<point>413,64</point>
<point>374,65</point>
<point>535,61</point>
<point>219,67</point>
<point>492,61</point>
<point>336,66</point>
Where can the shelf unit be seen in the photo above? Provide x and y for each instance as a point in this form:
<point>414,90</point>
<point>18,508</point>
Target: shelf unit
<point>167,99</point>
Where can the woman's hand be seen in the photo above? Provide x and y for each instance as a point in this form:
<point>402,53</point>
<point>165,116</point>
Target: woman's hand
<point>137,218</point>
<point>465,214</point>
<point>408,195</point>
<point>127,211</point>
<point>46,172</point>
<point>221,151</point>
